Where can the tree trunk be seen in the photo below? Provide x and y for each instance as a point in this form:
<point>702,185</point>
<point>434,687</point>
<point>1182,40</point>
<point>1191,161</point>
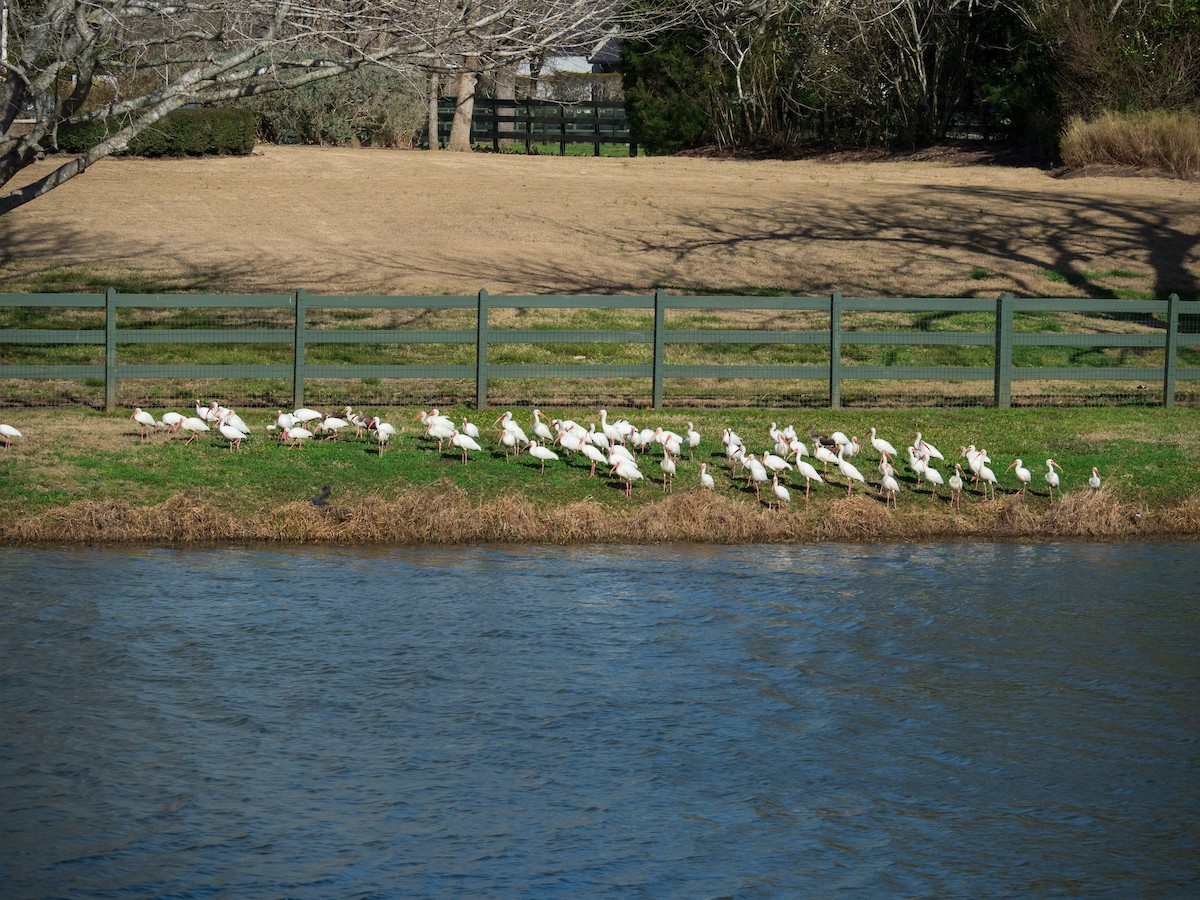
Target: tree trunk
<point>434,139</point>
<point>464,108</point>
<point>506,89</point>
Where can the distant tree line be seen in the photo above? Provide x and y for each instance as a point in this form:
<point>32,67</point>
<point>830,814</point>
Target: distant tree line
<point>774,74</point>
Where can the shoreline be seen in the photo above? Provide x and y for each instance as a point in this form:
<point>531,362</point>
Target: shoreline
<point>421,517</point>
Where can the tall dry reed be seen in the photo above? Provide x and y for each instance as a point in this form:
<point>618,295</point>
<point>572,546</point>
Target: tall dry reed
<point>1165,140</point>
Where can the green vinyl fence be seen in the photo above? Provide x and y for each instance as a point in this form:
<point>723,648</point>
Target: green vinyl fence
<point>300,337</point>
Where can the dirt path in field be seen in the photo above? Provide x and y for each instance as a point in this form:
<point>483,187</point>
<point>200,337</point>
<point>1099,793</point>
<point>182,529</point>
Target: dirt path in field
<point>394,222</point>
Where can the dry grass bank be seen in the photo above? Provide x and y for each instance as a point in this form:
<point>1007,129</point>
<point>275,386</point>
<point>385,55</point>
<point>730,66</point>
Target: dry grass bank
<point>444,514</point>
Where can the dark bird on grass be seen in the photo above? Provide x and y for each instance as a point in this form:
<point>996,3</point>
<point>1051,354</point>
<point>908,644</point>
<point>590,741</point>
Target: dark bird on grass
<point>823,439</point>
<point>321,499</point>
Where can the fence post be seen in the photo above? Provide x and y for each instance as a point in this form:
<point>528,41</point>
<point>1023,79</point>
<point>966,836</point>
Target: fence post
<point>528,124</point>
<point>481,342</point>
<point>1170,355</point>
<point>835,350</point>
<point>660,322</point>
<point>1004,343</point>
<point>596,126</point>
<point>562,131</point>
<point>301,303</point>
<point>110,350</point>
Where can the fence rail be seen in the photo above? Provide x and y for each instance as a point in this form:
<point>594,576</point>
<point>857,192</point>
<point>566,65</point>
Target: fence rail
<point>592,122</point>
<point>297,307</point>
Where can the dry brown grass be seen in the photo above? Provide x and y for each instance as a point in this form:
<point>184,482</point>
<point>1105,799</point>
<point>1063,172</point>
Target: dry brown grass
<point>1167,141</point>
<point>444,514</point>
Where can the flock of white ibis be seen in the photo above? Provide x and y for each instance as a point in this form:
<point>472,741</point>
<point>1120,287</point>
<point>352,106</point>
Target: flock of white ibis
<point>623,450</point>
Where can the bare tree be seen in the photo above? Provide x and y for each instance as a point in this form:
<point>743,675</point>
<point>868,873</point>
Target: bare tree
<point>128,63</point>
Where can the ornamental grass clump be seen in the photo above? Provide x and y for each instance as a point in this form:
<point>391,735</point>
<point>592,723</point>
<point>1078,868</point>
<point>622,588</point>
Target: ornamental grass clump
<point>1168,141</point>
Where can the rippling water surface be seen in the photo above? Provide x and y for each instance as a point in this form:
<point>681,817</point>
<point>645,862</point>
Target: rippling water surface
<point>696,721</point>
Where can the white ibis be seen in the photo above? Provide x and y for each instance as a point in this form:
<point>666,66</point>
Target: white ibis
<point>917,463</point>
<point>8,433</point>
<point>956,486</point>
<point>506,422</point>
<point>437,430</point>
<point>509,441</point>
<point>668,469</point>
<point>693,440</point>
<point>628,472</point>
<point>781,493</point>
<point>594,454</point>
<point>463,442</point>
<point>891,489</point>
<point>333,424</point>
<point>706,480</point>
<point>541,430</point>
<point>810,474</point>
<point>988,477</point>
<point>933,451</point>
<point>540,453</point>
<point>758,472</point>
<point>822,453</point>
<point>384,432</point>
<point>297,435</point>
<point>775,463</point>
<point>610,431</point>
<point>1024,476</point>
<point>934,477</point>
<point>304,415</point>
<point>851,449</point>
<point>144,419</point>
<point>195,426</point>
<point>881,446</point>
<point>232,433</point>
<point>471,430</point>
<point>1052,476</point>
<point>284,421</point>
<point>850,473</point>
<point>171,421</point>
<point>1094,481</point>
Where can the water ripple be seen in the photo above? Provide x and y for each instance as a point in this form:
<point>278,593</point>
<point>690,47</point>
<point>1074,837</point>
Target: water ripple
<point>680,721</point>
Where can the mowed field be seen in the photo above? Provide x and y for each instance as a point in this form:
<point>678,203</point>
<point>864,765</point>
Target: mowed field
<point>392,222</point>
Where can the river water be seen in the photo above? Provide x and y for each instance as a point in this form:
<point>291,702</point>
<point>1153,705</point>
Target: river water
<point>955,720</point>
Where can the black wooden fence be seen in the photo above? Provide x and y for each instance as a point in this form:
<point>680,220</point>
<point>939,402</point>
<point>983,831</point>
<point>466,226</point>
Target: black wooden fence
<point>529,122</point>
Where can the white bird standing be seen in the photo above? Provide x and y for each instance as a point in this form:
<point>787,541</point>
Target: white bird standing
<point>464,442</point>
<point>144,419</point>
<point>758,472</point>
<point>850,473</point>
<point>507,422</point>
<point>706,480</point>
<point>541,453</point>
<point>933,451</point>
<point>8,433</point>
<point>195,426</point>
<point>232,433</point>
<point>1052,477</point>
<point>595,454</point>
<point>693,440</point>
<point>891,489</point>
<point>627,472</point>
<point>881,446</point>
<point>610,431</point>
<point>1024,476</point>
<point>956,486</point>
<point>987,476</point>
<point>171,421</point>
<point>541,430</point>
<point>781,493</point>
<point>304,415</point>
<point>471,430</point>
<point>1094,481</point>
<point>384,432</point>
<point>934,477</point>
<point>810,474</point>
<point>298,434</point>
<point>668,469</point>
